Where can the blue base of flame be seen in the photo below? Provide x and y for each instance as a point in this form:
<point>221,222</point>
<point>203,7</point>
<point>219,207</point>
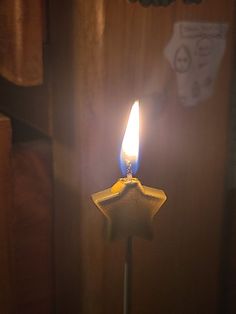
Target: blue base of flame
<point>125,164</point>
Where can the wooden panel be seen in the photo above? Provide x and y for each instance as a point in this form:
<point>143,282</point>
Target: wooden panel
<point>30,105</point>
<point>6,301</point>
<point>105,55</point>
<point>21,41</point>
<point>232,157</point>
<point>229,256</point>
<point>31,227</point>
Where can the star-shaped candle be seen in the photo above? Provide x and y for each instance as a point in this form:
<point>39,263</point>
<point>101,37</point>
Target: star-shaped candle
<point>128,205</point>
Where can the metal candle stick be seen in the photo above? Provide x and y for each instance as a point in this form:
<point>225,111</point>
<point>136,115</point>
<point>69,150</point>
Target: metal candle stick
<point>129,206</point>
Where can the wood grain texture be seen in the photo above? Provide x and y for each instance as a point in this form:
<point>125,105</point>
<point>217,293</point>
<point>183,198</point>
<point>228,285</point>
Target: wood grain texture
<point>31,227</point>
<point>6,295</point>
<point>30,105</point>
<point>104,55</point>
<point>21,41</point>
<point>229,256</point>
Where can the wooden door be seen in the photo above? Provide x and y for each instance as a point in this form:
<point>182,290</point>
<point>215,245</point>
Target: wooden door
<point>104,55</point>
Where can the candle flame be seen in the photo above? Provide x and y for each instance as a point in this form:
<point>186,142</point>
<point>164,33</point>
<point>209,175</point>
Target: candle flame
<point>130,145</point>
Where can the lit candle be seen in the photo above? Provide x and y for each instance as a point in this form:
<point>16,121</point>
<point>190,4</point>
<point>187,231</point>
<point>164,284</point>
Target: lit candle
<point>128,205</point>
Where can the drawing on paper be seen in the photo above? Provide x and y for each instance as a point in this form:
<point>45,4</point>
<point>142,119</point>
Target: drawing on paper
<point>182,62</point>
<point>195,52</point>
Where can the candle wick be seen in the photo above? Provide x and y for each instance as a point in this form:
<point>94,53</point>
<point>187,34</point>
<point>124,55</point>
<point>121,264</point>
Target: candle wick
<point>129,170</point>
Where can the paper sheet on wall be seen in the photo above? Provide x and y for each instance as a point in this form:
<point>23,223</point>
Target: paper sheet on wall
<point>195,52</point>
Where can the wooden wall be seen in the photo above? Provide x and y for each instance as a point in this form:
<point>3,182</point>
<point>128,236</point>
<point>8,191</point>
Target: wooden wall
<point>30,105</point>
<point>228,248</point>
<point>31,227</point>
<point>26,275</point>
<point>105,54</point>
<point>228,287</point>
<point>21,41</point>
<point>6,291</point>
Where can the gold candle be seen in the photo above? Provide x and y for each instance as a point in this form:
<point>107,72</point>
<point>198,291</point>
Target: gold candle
<point>128,206</point>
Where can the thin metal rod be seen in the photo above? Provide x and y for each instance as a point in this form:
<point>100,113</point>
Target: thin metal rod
<point>127,277</point>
